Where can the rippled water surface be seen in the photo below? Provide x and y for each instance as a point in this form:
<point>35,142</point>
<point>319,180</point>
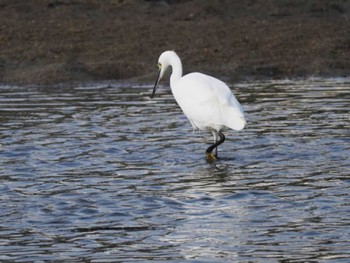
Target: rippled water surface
<point>102,173</point>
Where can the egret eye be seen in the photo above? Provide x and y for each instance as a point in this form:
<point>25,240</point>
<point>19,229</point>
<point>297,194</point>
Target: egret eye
<point>159,66</point>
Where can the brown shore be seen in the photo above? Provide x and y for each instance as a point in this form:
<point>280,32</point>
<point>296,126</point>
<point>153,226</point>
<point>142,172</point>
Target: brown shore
<point>59,41</point>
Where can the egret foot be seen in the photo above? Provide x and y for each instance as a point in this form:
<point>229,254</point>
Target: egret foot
<point>210,157</point>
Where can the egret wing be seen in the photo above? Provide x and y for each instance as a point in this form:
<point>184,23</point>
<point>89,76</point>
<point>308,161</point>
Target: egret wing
<point>206,101</point>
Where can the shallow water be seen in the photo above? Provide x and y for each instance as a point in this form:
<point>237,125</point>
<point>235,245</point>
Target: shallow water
<point>102,173</point>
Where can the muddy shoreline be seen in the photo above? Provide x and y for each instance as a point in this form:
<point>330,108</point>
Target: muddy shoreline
<point>60,41</point>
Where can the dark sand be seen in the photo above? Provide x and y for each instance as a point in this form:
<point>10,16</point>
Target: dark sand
<point>59,41</point>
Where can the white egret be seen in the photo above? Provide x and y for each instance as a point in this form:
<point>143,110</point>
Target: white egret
<point>207,102</point>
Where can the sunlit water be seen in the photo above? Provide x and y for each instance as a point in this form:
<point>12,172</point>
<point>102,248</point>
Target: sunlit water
<point>102,173</point>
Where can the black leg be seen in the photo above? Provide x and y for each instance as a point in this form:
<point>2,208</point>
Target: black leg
<point>216,144</point>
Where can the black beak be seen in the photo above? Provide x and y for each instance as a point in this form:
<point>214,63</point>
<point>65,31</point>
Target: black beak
<point>155,85</point>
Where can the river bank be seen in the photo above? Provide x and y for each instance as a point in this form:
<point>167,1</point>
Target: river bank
<point>45,42</point>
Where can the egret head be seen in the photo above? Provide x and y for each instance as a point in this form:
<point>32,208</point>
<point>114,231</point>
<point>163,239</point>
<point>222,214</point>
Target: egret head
<point>163,63</point>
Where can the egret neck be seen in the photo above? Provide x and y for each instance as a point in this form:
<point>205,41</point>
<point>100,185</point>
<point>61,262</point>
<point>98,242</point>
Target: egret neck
<point>176,66</point>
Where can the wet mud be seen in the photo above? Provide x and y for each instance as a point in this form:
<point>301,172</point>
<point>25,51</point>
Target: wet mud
<point>59,41</point>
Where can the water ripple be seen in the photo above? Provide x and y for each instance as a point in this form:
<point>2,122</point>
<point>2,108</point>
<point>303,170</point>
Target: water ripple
<point>102,173</point>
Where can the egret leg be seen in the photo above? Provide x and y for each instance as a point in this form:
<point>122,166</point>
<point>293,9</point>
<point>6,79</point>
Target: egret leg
<point>215,135</point>
<point>209,151</point>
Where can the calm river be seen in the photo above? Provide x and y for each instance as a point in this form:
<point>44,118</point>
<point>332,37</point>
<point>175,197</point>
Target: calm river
<point>102,173</point>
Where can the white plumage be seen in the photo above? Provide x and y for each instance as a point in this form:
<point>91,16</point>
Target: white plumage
<point>207,102</point>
